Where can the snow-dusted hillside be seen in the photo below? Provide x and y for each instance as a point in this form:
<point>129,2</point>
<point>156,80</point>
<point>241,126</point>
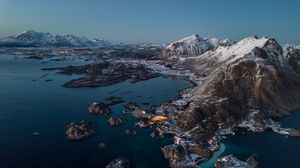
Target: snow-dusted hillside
<point>39,39</point>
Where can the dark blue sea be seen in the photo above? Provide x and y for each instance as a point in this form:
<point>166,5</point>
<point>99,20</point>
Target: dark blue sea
<point>34,113</point>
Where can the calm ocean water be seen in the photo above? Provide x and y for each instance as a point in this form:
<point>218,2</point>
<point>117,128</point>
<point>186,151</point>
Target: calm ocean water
<point>34,113</point>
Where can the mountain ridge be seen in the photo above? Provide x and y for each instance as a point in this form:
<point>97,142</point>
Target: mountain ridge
<point>33,38</point>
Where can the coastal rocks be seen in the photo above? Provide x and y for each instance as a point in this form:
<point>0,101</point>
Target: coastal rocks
<point>78,131</point>
<point>120,163</point>
<point>231,161</point>
<point>157,133</point>
<point>129,132</point>
<point>116,121</point>
<point>176,156</point>
<point>98,108</point>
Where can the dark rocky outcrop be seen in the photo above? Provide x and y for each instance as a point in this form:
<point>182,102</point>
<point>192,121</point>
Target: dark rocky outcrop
<point>116,121</point>
<point>120,163</point>
<point>80,130</point>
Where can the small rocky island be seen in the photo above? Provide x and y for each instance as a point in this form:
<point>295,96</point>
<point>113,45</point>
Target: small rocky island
<point>99,108</point>
<point>116,121</point>
<point>79,130</point>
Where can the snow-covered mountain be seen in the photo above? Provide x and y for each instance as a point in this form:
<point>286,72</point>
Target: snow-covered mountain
<point>192,46</point>
<point>189,46</point>
<point>39,39</point>
<point>246,48</point>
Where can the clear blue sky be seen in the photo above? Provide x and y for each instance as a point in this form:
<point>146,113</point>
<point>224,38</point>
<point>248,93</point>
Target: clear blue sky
<point>156,21</point>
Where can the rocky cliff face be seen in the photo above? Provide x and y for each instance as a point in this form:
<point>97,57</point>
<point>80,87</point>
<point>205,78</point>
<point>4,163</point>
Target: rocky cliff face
<point>293,58</point>
<point>252,74</point>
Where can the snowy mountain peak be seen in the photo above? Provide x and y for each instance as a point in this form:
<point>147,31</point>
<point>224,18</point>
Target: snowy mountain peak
<point>32,36</point>
<point>187,47</point>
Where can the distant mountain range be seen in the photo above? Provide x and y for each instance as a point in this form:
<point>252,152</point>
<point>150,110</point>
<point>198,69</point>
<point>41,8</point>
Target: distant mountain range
<point>32,38</point>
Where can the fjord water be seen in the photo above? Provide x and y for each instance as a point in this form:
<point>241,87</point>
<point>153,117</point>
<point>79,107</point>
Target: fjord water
<point>34,113</point>
<point>273,150</point>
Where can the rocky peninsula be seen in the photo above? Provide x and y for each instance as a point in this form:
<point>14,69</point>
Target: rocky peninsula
<point>105,73</point>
